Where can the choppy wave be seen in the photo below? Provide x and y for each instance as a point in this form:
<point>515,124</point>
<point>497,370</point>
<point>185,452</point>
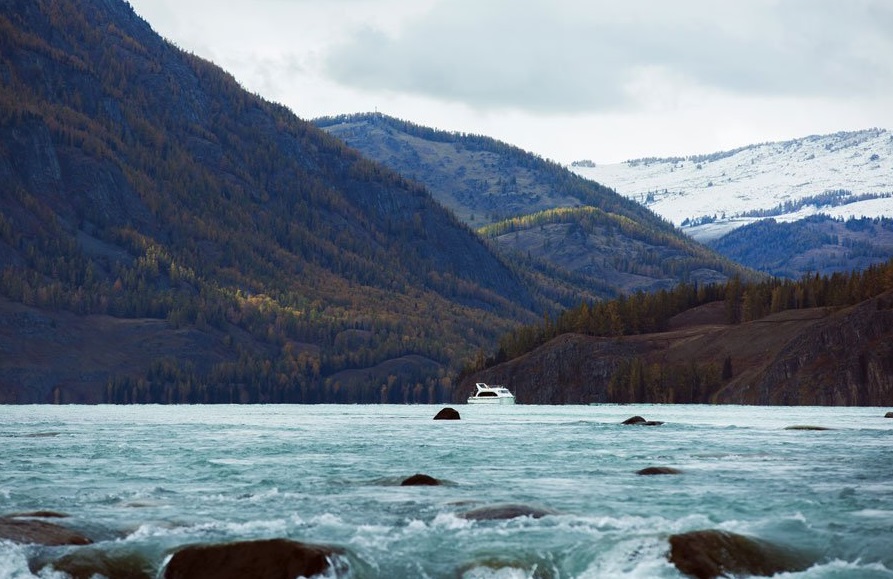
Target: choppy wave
<point>147,480</point>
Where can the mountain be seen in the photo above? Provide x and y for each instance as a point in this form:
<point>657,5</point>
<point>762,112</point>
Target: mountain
<point>166,236</point>
<point>818,341</point>
<point>818,243</point>
<point>847,175</point>
<point>537,213</point>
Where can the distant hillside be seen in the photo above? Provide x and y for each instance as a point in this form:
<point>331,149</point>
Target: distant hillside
<point>166,236</point>
<point>814,244</point>
<point>845,175</point>
<point>819,341</point>
<point>537,212</point>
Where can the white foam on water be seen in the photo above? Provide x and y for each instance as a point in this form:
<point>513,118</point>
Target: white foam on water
<point>501,573</point>
<point>635,557</point>
<point>449,521</point>
<point>14,564</point>
<point>327,520</point>
<point>234,529</point>
<point>838,569</point>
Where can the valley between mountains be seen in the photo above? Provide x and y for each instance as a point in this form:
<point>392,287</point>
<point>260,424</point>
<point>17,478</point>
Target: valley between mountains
<point>168,237</point>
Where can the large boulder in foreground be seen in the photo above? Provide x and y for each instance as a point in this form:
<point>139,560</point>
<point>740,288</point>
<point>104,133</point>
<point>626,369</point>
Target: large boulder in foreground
<point>447,414</point>
<point>711,553</point>
<point>265,559</point>
<point>28,531</point>
<point>506,511</point>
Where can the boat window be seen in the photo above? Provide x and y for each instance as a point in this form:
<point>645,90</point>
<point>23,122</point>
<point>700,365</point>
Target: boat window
<point>482,394</point>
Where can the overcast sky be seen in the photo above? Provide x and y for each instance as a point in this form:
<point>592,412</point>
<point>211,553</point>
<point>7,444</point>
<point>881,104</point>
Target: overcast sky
<point>606,80</point>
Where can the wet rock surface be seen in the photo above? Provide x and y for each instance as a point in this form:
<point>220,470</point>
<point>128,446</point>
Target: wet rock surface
<point>711,553</point>
<point>28,531</point>
<point>266,559</point>
<point>420,480</point>
<point>447,414</point>
<point>639,421</point>
<point>654,470</point>
<point>506,511</point>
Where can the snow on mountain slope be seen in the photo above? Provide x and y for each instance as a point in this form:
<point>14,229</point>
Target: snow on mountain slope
<point>778,179</point>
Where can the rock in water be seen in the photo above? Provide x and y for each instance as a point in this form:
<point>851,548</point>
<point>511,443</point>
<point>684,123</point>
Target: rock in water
<point>89,562</point>
<point>651,470</point>
<point>39,532</point>
<point>710,553</point>
<point>888,415</point>
<point>447,414</point>
<point>420,480</point>
<point>502,512</point>
<point>639,421</point>
<point>267,559</point>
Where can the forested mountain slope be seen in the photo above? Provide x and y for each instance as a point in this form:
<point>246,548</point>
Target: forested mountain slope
<point>817,244</point>
<point>822,340</point>
<point>233,251</point>
<point>537,212</point>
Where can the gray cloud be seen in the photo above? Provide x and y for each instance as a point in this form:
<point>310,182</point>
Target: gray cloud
<point>570,56</point>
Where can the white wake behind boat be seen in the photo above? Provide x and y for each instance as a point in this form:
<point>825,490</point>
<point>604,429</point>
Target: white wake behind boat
<point>491,395</point>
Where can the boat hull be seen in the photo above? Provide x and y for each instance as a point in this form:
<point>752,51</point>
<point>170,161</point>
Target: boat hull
<point>492,400</point>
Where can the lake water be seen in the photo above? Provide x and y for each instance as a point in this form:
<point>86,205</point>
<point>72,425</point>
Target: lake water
<point>147,479</point>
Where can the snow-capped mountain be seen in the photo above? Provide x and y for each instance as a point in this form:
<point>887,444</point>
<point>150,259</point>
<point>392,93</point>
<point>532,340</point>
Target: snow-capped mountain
<point>847,174</point>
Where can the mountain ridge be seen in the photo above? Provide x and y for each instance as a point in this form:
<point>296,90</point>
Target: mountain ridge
<point>726,199</point>
<point>143,183</point>
<point>536,211</point>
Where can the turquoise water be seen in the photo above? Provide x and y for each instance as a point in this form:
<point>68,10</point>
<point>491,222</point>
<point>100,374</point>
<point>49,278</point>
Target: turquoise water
<point>146,479</point>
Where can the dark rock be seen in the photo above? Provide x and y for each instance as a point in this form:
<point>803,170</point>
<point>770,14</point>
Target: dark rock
<point>888,415</point>
<point>639,421</point>
<point>659,470</point>
<point>420,480</point>
<point>40,515</point>
<point>90,562</point>
<point>711,553</point>
<point>447,414</point>
<point>508,511</point>
<point>265,559</point>
<point>39,532</point>
<point>806,427</point>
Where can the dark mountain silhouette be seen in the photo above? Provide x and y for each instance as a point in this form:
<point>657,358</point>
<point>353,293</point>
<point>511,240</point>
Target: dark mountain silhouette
<point>536,211</point>
<point>166,236</point>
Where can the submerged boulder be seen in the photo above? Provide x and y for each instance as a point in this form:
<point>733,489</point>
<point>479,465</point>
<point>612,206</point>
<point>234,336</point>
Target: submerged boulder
<point>711,553</point>
<point>272,558</point>
<point>506,511</point>
<point>27,531</point>
<point>652,470</point>
<point>447,414</point>
<point>91,562</point>
<point>806,427</point>
<point>639,421</point>
<point>420,480</point>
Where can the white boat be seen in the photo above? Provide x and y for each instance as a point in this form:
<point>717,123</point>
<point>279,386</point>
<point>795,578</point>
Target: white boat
<point>491,395</point>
